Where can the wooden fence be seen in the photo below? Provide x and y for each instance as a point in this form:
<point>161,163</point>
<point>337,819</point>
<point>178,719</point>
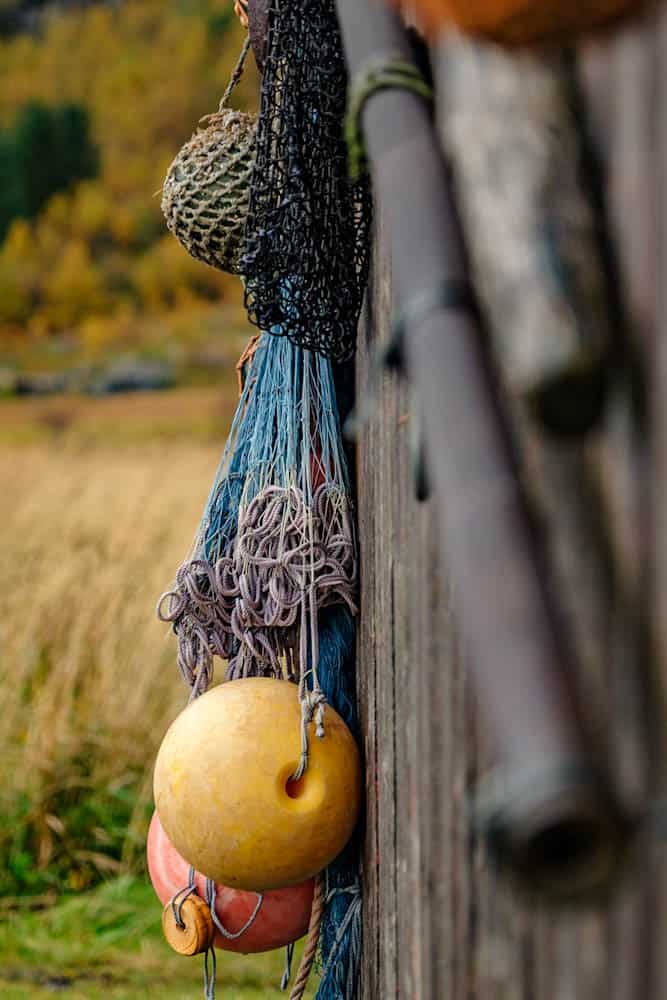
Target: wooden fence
<point>439,924</point>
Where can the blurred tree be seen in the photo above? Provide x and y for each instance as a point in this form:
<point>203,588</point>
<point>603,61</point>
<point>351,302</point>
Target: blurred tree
<point>34,141</point>
<point>166,276</point>
<point>76,156</point>
<point>107,93</point>
<point>12,204</point>
<point>52,150</point>
<point>74,288</point>
<point>19,275</point>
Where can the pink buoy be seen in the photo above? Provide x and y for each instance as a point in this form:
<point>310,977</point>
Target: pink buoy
<point>282,918</point>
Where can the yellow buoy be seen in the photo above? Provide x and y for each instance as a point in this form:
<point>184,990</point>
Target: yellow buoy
<point>223,791</point>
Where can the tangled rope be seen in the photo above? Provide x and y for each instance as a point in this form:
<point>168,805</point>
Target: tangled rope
<point>248,608</point>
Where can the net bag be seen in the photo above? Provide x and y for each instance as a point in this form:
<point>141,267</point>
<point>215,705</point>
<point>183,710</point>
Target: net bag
<point>207,187</point>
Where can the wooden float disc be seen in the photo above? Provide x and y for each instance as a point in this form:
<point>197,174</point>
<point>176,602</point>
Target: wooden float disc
<point>283,916</point>
<point>197,935</point>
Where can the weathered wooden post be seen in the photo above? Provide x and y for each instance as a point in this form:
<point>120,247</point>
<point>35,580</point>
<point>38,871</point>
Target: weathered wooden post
<point>438,921</point>
<point>550,813</point>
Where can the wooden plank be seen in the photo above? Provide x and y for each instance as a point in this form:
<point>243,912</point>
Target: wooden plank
<point>367,669</point>
<point>438,922</point>
<point>386,720</point>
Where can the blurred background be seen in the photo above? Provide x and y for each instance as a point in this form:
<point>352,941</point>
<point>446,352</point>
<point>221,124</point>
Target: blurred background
<point>117,387</point>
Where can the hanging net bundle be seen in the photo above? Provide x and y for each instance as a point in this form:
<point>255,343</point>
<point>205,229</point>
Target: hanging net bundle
<point>269,586</point>
<point>276,543</point>
<point>306,220</point>
<point>206,191</point>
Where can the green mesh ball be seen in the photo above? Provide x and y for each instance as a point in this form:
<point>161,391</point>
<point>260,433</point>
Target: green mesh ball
<point>206,190</point>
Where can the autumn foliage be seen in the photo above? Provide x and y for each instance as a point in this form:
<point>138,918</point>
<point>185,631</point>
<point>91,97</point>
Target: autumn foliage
<point>91,250</point>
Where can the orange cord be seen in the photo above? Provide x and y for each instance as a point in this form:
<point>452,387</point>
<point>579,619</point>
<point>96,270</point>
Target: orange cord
<point>245,359</point>
<point>241,11</point>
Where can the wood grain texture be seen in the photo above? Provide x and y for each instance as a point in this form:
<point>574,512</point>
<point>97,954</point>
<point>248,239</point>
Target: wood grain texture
<point>439,923</point>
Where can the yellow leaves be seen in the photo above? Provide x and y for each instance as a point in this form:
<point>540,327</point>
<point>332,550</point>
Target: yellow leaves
<point>18,275</point>
<point>99,332</point>
<point>14,301</point>
<point>19,244</point>
<point>91,211</point>
<point>48,277</point>
<point>74,288</point>
<point>168,276</point>
<point>146,71</point>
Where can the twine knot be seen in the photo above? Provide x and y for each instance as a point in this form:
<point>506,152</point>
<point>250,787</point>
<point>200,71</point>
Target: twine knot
<point>313,704</point>
<point>312,707</point>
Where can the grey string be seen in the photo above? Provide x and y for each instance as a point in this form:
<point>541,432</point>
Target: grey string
<point>351,916</point>
<point>176,902</point>
<point>210,974</point>
<point>211,892</point>
<point>287,974</point>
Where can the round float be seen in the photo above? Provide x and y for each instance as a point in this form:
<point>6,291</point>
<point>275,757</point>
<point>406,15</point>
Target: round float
<point>224,795</point>
<point>282,918</point>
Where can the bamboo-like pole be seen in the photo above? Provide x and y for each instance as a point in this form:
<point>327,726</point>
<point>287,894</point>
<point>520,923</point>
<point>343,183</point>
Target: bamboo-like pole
<point>549,810</point>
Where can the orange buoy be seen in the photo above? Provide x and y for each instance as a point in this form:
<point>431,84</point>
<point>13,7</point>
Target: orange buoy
<point>519,22</point>
<point>282,917</point>
<point>224,795</point>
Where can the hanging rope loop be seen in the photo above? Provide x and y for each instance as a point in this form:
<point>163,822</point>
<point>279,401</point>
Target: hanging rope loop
<point>236,75</point>
<point>385,72</point>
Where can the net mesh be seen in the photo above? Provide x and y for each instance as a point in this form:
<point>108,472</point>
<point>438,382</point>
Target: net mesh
<point>205,193</point>
<point>306,219</point>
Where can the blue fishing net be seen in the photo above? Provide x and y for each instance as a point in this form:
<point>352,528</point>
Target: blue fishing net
<point>276,542</point>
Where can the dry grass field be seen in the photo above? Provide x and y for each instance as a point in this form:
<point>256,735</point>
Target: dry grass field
<point>99,501</point>
<point>89,539</point>
<point>187,415</point>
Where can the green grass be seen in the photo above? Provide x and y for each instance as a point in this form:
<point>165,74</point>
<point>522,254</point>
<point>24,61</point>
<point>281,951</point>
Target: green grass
<point>105,497</point>
<point>108,944</point>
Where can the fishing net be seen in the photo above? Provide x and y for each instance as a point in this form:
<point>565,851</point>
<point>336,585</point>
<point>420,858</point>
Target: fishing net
<point>207,187</point>
<point>306,219</point>
<point>276,543</point>
<point>270,583</point>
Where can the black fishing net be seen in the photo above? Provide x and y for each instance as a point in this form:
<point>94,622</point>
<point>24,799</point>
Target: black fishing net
<point>306,261</point>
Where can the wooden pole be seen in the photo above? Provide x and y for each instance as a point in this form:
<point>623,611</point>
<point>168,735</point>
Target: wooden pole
<point>549,811</point>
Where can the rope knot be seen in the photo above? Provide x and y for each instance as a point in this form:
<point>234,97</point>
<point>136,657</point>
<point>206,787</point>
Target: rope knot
<point>313,704</point>
<point>312,707</point>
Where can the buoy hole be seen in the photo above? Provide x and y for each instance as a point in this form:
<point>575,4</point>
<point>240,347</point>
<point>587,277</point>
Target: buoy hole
<point>295,789</point>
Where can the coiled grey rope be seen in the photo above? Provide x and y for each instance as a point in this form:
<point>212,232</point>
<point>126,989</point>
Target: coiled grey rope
<point>247,607</point>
